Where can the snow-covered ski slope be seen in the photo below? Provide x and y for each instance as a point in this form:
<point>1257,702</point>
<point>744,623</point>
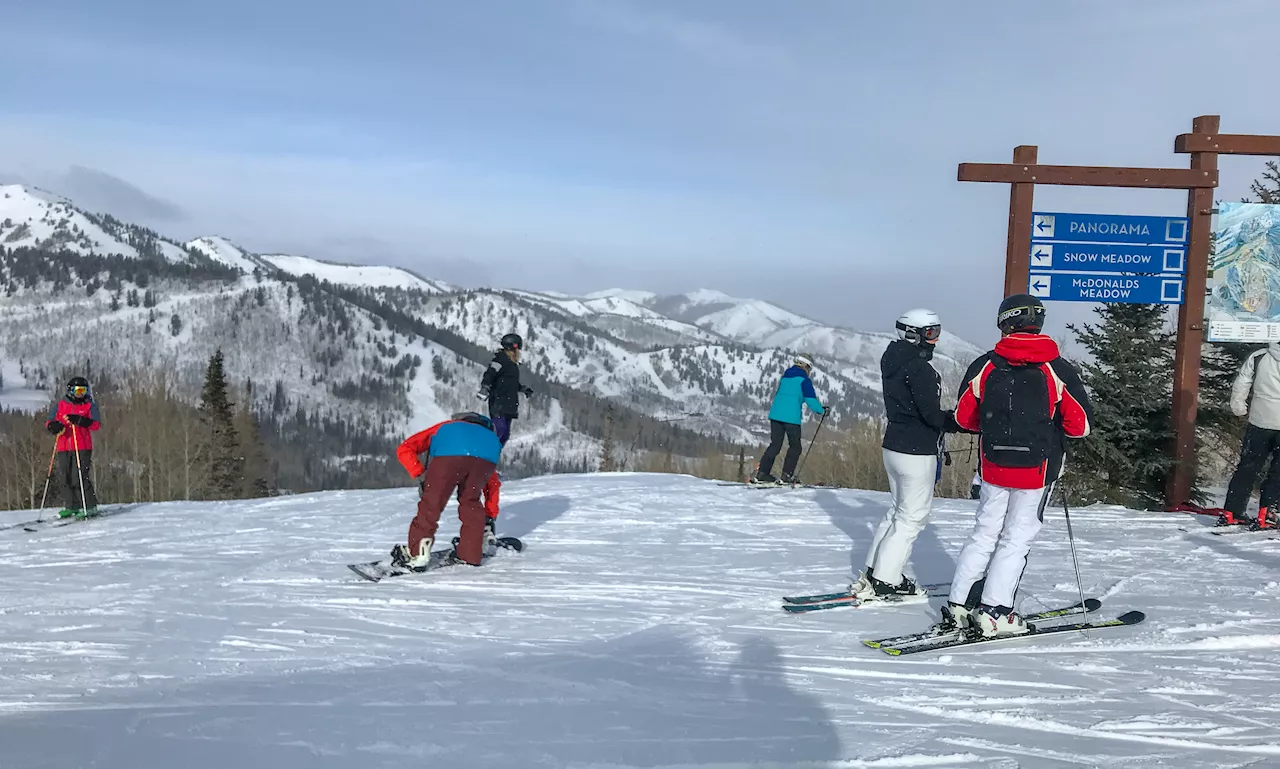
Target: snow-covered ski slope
<point>641,627</point>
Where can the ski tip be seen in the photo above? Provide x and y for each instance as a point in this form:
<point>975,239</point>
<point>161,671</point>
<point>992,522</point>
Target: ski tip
<point>891,651</point>
<point>1132,617</point>
<point>1092,604</point>
<point>872,644</point>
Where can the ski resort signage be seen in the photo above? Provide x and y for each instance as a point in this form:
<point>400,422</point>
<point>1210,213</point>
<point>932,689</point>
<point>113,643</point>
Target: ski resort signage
<point>1115,289</point>
<point>1126,259</point>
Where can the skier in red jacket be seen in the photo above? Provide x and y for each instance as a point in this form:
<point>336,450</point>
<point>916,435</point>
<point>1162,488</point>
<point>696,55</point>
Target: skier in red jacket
<point>1024,401</point>
<point>74,419</point>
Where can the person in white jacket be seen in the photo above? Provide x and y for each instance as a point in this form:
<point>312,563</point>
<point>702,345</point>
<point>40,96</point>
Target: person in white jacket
<point>1256,392</point>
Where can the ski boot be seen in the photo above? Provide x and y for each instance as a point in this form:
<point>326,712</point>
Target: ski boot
<point>67,512</point>
<point>789,479</point>
<point>490,536</point>
<point>904,589</point>
<point>404,558</point>
<point>999,621</point>
<point>955,616</point>
<point>762,479</point>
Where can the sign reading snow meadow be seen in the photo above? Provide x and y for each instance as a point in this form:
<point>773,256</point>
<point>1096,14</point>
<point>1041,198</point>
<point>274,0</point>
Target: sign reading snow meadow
<point>1108,258</point>
<point>1243,304</point>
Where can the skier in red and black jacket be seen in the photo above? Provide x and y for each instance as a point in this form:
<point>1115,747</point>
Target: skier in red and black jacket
<point>1024,401</point>
<point>74,419</point>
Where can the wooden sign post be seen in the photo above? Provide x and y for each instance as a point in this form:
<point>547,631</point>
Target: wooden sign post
<point>1199,181</point>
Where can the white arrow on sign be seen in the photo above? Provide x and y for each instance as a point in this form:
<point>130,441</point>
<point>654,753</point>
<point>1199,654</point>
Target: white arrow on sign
<point>1042,255</point>
<point>1042,226</point>
<point>1040,285</point>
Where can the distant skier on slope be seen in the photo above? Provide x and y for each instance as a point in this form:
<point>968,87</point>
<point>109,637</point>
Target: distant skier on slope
<point>1256,393</point>
<point>1024,401</point>
<point>916,424</point>
<point>74,419</point>
<point>462,455</point>
<point>500,386</point>
<point>786,414</point>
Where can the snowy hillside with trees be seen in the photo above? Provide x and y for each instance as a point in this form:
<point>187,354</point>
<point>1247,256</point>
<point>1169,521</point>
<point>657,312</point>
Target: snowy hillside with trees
<point>641,627</point>
<point>338,363</point>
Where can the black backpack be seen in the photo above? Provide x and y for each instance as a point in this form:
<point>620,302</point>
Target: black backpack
<point>1017,428</point>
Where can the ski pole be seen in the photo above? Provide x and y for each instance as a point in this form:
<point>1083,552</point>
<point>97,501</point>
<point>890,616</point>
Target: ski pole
<point>812,441</point>
<point>48,477</point>
<point>1066,512</point>
<point>75,441</point>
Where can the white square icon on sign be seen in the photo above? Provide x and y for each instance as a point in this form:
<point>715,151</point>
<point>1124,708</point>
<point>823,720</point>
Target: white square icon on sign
<point>1174,260</point>
<point>1041,286</point>
<point>1175,231</point>
<point>1041,255</point>
<point>1042,226</point>
<point>1171,291</point>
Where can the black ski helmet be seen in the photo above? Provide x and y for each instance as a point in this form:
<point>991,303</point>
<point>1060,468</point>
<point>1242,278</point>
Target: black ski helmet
<point>1020,312</point>
<point>76,382</point>
<point>512,342</point>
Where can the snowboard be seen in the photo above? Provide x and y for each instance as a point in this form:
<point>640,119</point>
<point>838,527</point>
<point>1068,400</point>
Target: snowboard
<point>376,571</point>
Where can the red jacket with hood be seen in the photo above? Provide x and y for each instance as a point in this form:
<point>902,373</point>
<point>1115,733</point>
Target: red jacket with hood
<point>1068,404</point>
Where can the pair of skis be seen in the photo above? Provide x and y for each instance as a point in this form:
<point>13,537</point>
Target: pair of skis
<point>938,638</point>
<point>54,522</point>
<point>799,604</point>
<point>376,571</point>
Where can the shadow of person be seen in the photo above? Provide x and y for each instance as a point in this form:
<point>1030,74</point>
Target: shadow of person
<point>645,700</point>
<point>930,560</point>
<point>519,519</point>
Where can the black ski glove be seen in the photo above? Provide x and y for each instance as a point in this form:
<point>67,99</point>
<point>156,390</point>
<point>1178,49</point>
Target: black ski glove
<point>483,394</point>
<point>54,427</point>
<point>79,421</point>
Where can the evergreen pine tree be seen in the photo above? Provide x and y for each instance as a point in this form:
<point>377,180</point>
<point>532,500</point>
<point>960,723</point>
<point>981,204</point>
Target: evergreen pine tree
<point>1127,458</point>
<point>256,468</point>
<point>225,460</point>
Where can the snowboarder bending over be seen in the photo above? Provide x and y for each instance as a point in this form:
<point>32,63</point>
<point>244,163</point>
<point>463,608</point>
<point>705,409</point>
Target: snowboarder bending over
<point>74,419</point>
<point>1256,392</point>
<point>795,391</point>
<point>500,386</point>
<point>462,454</point>
<point>916,424</point>
<point>1024,401</point>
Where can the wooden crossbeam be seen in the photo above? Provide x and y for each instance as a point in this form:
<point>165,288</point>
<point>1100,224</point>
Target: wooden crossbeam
<point>1089,176</point>
<point>1228,144</point>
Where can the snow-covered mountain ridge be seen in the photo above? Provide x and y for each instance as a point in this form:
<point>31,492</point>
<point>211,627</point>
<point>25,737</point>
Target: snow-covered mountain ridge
<point>388,350</point>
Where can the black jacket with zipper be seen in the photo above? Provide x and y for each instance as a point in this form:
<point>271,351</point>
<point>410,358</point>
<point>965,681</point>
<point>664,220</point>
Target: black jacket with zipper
<point>502,381</point>
<point>912,400</point>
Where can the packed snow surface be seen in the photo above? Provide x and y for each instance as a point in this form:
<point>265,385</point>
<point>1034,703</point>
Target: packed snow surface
<point>640,628</point>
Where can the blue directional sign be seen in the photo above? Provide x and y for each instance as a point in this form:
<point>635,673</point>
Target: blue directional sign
<point>1109,228</point>
<point>1113,289</point>
<point>1107,257</point>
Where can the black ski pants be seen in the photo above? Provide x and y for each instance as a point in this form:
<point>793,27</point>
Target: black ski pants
<point>71,479</point>
<point>778,431</point>
<point>1260,447</point>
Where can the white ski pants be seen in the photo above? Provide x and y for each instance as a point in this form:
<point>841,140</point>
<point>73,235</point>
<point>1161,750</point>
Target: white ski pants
<point>911,480</point>
<point>1008,519</point>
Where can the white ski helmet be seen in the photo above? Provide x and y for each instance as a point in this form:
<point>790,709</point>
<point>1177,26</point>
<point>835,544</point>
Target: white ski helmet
<point>919,326</point>
<point>804,360</point>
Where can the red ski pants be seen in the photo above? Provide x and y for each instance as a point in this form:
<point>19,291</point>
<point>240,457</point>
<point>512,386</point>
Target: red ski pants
<point>468,476</point>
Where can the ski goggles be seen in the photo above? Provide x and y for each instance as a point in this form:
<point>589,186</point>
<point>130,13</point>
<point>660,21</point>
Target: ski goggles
<point>79,391</point>
<point>928,333</point>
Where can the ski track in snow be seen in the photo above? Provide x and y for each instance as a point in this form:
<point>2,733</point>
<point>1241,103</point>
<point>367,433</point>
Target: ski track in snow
<point>641,627</point>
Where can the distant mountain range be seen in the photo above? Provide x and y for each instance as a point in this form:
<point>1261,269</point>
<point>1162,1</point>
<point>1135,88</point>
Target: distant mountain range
<point>320,331</point>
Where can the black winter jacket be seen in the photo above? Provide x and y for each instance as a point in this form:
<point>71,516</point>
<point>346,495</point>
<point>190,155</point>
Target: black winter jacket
<point>912,400</point>
<point>502,381</point>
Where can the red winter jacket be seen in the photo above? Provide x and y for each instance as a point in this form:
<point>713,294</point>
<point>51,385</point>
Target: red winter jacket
<point>74,437</point>
<point>1069,406</point>
<point>416,445</point>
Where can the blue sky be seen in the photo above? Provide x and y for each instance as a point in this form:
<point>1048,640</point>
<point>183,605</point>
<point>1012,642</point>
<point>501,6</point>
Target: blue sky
<point>799,152</point>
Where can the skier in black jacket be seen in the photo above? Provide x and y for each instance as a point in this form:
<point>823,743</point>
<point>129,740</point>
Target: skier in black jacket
<point>912,442</point>
<point>501,386</point>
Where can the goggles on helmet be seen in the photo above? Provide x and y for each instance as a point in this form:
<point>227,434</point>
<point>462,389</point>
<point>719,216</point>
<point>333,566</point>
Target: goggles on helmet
<point>79,391</point>
<point>927,333</point>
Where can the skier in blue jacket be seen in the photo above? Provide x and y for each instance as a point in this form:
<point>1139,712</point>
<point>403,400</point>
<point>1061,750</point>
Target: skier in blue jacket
<point>795,391</point>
